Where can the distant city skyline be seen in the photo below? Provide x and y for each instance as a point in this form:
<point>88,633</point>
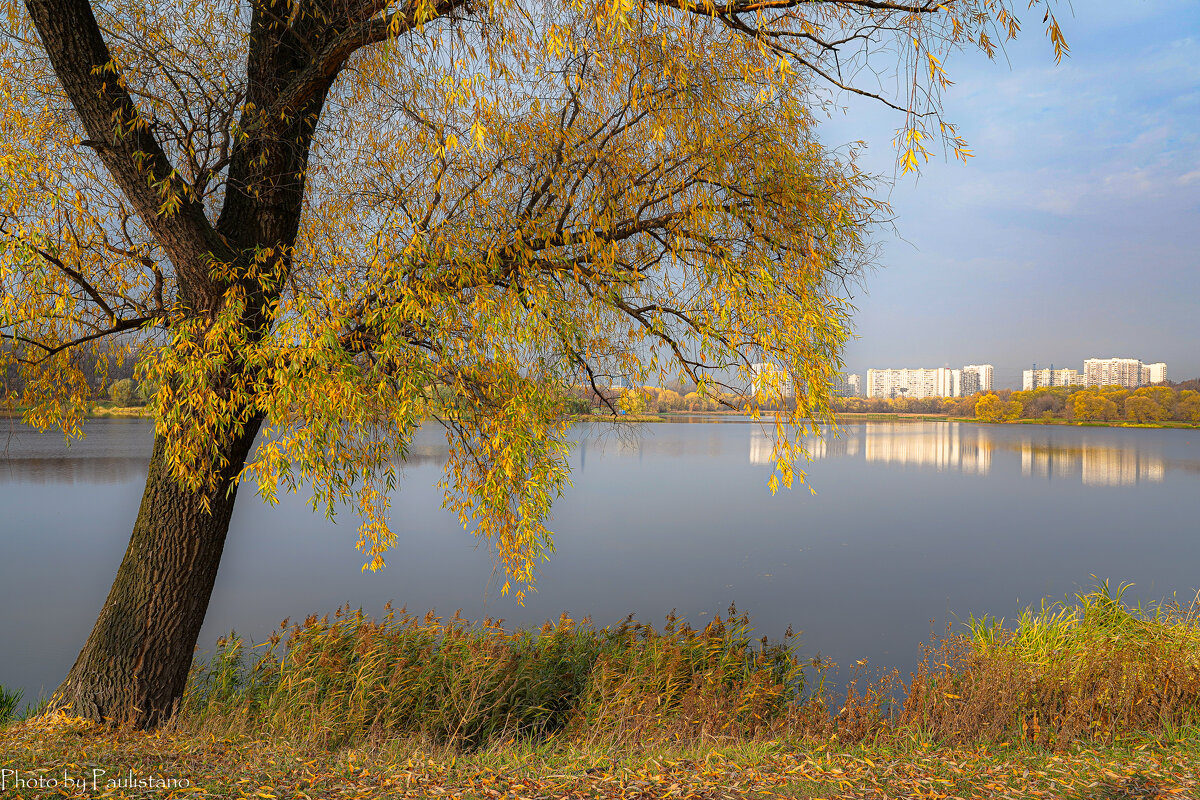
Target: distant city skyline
<point>1072,232</point>
<point>997,378</point>
<point>945,381</point>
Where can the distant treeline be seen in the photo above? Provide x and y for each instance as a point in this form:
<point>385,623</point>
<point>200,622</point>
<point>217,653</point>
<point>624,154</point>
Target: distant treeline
<point>98,365</point>
<point>110,374</point>
<point>651,400</point>
<point>1160,403</point>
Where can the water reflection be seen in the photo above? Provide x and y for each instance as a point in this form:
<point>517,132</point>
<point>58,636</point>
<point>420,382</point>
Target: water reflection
<point>1096,466</point>
<point>660,517</point>
<point>97,469</point>
<point>113,455</point>
<point>1099,459</point>
<point>943,447</point>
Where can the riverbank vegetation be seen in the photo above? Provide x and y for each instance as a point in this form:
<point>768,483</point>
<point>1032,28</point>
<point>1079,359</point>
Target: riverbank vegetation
<point>1159,405</point>
<point>1074,695</point>
<point>1148,405</point>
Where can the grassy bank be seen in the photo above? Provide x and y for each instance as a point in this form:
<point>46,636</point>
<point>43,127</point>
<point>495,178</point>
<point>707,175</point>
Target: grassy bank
<point>1083,423</point>
<point>95,411</point>
<point>622,418</point>
<point>241,766</point>
<point>119,411</point>
<point>1091,698</point>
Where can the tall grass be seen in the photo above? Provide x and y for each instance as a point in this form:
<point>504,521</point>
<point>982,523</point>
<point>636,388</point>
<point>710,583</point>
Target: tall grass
<point>452,683</point>
<point>1094,668</point>
<point>10,699</point>
<point>1089,669</point>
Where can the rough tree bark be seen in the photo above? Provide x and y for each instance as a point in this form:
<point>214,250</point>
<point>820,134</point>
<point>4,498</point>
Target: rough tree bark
<point>135,663</point>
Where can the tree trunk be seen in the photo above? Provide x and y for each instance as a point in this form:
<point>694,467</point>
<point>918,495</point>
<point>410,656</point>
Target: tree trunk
<point>135,663</point>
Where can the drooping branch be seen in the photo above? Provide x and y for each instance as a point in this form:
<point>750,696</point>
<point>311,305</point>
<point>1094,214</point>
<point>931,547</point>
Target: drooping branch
<point>48,350</point>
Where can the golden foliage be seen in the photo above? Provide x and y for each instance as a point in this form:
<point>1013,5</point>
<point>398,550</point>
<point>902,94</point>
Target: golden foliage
<point>491,202</point>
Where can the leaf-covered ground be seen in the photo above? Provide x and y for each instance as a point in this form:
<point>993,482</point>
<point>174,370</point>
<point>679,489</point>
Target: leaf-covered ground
<point>63,759</point>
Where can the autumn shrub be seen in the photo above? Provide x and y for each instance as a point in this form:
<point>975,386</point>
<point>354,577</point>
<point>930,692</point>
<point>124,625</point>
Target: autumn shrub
<point>454,683</point>
<point>123,392</point>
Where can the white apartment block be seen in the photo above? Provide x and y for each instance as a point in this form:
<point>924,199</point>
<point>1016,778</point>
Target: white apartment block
<point>1154,373</point>
<point>769,379</point>
<point>847,385</point>
<point>917,383</point>
<point>976,378</point>
<point>1112,372</point>
<point>1040,378</point>
<point>1127,372</point>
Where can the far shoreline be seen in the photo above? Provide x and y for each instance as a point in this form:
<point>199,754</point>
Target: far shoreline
<point>668,417</point>
<point>856,417</point>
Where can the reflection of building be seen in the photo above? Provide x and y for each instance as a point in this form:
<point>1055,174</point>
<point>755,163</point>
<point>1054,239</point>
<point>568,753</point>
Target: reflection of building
<point>1097,465</point>
<point>1109,466</point>
<point>762,446</point>
<point>1041,378</point>
<point>943,446</point>
<point>917,383</point>
<point>976,378</point>
<point>971,448</point>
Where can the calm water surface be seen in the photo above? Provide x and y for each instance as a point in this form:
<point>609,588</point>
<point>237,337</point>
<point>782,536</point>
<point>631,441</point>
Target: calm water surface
<point>913,525</point>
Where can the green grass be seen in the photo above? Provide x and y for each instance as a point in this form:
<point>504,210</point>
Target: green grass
<point>10,701</point>
<point>617,418</point>
<point>1091,423</point>
<point>1091,668</point>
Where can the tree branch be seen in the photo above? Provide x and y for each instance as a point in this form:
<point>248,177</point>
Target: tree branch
<point>124,141</point>
<point>331,58</point>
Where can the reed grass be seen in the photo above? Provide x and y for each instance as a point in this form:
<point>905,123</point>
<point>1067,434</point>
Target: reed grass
<point>10,700</point>
<point>1091,669</point>
<point>451,683</point>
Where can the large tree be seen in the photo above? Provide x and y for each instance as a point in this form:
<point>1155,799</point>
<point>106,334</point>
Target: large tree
<point>319,224</point>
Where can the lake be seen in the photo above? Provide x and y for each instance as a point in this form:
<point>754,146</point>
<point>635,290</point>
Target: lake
<point>913,526</point>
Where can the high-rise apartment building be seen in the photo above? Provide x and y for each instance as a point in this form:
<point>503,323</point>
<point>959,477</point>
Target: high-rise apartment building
<point>847,385</point>
<point>976,378</point>
<point>1040,378</point>
<point>770,378</point>
<point>917,383</point>
<point>1116,372</point>
<point>1154,373</point>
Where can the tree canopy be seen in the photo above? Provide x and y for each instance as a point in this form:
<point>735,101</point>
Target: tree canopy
<point>313,217</point>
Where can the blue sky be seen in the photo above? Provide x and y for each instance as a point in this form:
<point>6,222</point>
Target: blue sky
<point>1074,232</point>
